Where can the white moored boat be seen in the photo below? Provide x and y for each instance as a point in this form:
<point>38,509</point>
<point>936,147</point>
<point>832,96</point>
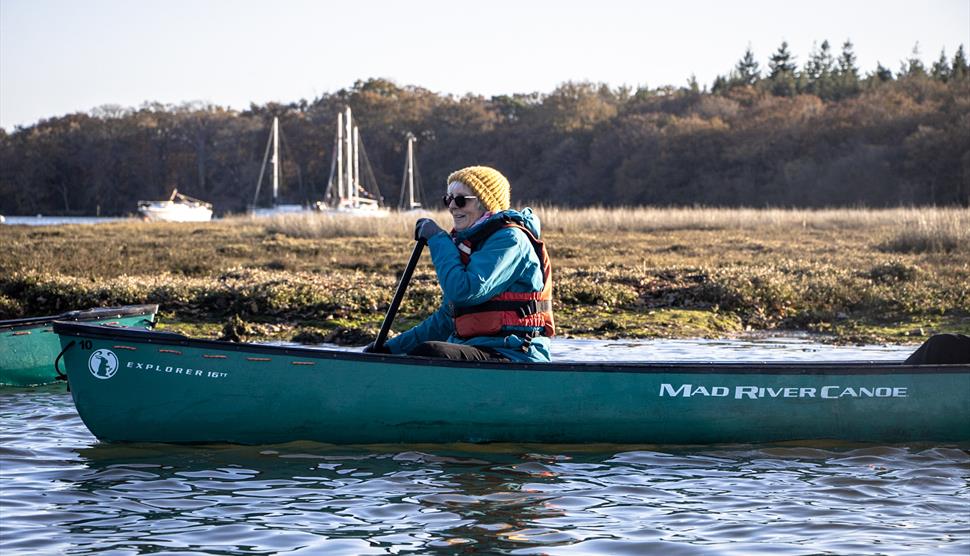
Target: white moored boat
<point>178,208</point>
<point>275,208</point>
<point>347,194</point>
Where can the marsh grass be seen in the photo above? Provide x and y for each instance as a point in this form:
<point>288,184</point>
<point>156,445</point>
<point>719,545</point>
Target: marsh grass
<point>936,228</point>
<point>943,231</point>
<point>327,225</point>
<point>619,273</point>
<point>642,219</point>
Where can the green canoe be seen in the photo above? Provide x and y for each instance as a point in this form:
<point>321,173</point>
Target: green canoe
<point>28,346</point>
<point>135,385</point>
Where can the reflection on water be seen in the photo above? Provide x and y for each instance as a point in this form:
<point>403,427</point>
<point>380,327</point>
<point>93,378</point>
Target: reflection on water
<point>63,492</point>
<point>41,220</point>
<point>767,348</point>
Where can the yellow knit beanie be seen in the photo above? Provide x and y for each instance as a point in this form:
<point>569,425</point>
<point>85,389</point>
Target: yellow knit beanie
<point>489,185</point>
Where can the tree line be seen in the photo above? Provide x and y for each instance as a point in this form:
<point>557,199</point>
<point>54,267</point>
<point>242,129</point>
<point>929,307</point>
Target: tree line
<point>819,134</point>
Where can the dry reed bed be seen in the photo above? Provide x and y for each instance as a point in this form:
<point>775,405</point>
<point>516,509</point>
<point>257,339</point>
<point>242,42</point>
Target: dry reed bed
<point>915,229</point>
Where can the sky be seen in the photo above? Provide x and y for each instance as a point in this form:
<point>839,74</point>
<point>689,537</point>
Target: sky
<point>64,56</point>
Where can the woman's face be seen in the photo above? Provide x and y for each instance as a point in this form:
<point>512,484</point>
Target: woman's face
<point>467,215</point>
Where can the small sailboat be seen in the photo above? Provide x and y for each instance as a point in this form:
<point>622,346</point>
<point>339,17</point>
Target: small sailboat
<point>178,208</point>
<point>411,191</point>
<point>273,146</point>
<point>346,191</point>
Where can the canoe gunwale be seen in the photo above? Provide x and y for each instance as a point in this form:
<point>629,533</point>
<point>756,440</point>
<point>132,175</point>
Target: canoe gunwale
<point>97,313</point>
<point>78,329</point>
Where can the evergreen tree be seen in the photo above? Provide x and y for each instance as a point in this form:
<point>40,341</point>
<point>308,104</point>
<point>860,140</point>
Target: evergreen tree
<point>810,72</point>
<point>847,65</point>
<point>782,76</point>
<point>747,71</point>
<point>826,61</point>
<point>847,74</point>
<point>819,70</point>
<point>692,85</point>
<point>720,85</point>
<point>883,73</point>
<point>913,67</point>
<point>781,62</point>
<point>961,68</point>
<point>941,68</point>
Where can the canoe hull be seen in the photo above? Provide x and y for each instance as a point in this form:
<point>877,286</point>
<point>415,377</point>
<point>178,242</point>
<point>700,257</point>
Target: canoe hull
<point>28,347</point>
<point>167,388</point>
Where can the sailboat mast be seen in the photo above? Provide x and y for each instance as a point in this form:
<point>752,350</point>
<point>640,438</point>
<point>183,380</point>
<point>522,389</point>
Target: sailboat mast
<point>407,200</point>
<point>356,192</point>
<point>276,158</point>
<point>262,170</point>
<point>411,203</point>
<point>349,146</point>
<point>340,158</point>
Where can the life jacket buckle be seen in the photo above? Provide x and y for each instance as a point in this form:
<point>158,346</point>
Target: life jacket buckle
<point>528,308</point>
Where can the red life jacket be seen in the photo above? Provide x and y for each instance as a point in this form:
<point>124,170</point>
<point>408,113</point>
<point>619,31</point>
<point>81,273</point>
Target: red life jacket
<point>509,310</point>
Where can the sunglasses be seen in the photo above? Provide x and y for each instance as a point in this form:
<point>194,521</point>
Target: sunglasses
<point>459,200</point>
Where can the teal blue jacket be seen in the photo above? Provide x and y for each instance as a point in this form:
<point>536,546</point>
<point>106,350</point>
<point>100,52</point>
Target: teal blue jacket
<point>505,262</point>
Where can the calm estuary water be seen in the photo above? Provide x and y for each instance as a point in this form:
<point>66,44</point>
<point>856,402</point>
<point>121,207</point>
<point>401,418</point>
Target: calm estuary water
<point>63,492</point>
<point>41,220</point>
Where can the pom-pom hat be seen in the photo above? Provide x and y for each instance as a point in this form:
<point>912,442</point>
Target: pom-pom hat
<point>489,185</point>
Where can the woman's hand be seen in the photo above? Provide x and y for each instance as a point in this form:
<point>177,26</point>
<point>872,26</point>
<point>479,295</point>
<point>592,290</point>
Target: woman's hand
<point>424,228</point>
<point>370,348</point>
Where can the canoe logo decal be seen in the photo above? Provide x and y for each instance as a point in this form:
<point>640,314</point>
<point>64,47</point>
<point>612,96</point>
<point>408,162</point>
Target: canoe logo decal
<point>828,392</point>
<point>103,363</point>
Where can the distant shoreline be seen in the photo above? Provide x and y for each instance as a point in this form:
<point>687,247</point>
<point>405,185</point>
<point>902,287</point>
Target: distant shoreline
<point>791,138</point>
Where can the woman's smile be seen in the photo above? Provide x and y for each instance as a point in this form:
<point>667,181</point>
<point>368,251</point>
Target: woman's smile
<point>464,217</point>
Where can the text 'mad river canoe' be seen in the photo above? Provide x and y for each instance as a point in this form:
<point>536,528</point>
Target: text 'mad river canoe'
<point>137,385</point>
<point>28,346</point>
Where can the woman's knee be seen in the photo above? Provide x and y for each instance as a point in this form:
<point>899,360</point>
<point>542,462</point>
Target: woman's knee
<point>456,352</point>
<point>430,349</point>
<point>942,349</point>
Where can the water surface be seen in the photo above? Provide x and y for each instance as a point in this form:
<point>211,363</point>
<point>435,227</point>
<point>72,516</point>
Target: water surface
<point>41,220</point>
<point>61,491</point>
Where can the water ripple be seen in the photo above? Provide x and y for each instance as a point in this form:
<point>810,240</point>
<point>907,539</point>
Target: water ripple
<point>63,492</point>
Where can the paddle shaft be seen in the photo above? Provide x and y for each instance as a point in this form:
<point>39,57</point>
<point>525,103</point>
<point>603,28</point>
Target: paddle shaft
<point>399,294</point>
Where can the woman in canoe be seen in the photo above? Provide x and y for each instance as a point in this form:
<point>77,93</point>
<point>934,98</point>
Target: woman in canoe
<point>494,275</point>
